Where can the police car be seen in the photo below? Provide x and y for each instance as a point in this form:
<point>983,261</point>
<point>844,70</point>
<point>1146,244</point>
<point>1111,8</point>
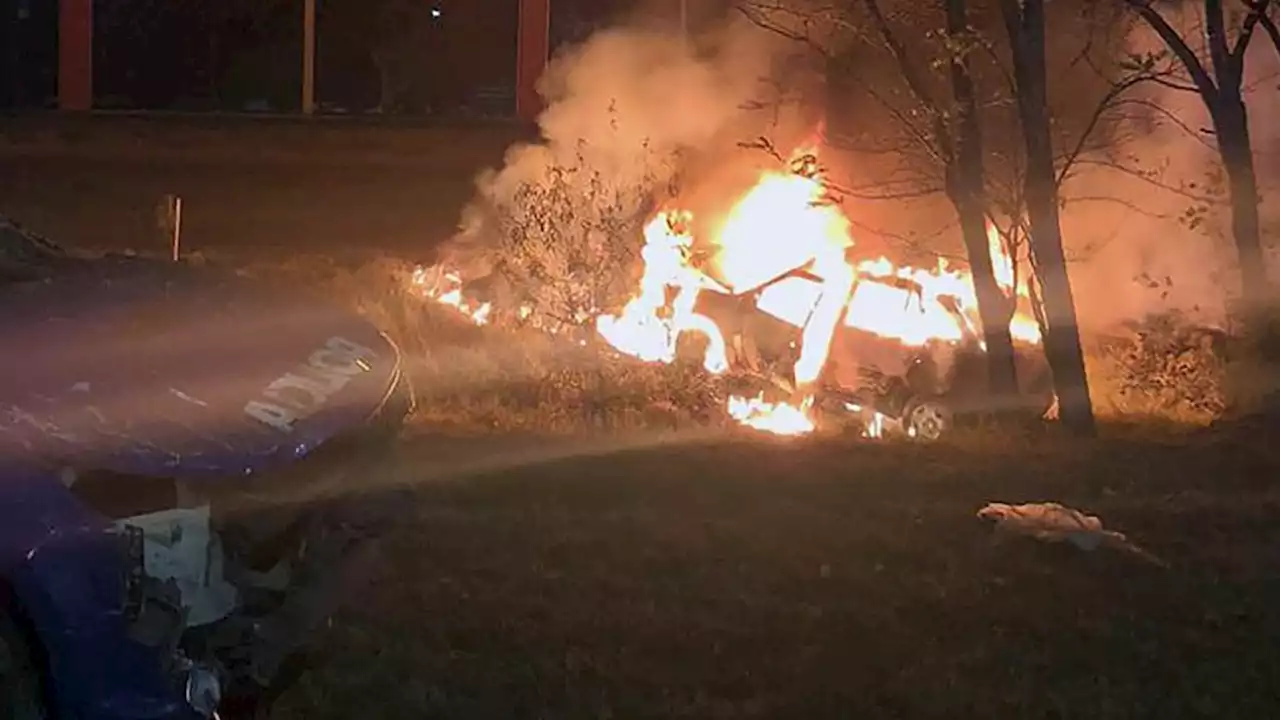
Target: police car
<point>174,442</point>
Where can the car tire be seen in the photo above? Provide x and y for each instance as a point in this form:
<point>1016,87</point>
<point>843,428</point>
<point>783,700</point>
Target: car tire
<point>926,419</point>
<point>21,687</point>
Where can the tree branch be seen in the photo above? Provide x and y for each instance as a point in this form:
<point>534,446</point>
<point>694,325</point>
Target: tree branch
<point>1108,102</point>
<point>1169,116</point>
<point>1204,84</point>
<point>1268,24</point>
<point>914,82</point>
<point>1216,35</point>
<point>1148,179</point>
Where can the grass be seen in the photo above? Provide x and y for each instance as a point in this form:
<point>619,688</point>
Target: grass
<point>557,560</point>
<point>548,567</point>
<point>822,578</point>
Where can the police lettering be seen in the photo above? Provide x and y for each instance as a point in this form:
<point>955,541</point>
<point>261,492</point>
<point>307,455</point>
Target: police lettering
<point>303,391</point>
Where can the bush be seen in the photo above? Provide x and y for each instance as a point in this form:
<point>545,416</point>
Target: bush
<point>1164,368</point>
<point>563,245</point>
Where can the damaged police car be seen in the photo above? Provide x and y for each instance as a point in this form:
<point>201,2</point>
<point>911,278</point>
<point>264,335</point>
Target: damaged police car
<point>166,547</point>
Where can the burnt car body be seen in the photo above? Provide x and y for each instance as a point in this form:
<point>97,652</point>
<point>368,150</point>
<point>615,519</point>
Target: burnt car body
<point>920,388</point>
<point>159,423</point>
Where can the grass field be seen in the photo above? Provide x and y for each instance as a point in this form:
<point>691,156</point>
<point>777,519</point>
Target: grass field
<point>332,186</point>
<point>818,579</point>
<point>605,572</point>
<point>602,572</point>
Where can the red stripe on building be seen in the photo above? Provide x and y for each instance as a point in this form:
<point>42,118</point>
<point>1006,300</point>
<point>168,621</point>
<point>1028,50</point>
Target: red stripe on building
<point>532,51</point>
<point>75,54</point>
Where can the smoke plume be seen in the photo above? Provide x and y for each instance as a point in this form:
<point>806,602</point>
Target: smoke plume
<point>643,109</point>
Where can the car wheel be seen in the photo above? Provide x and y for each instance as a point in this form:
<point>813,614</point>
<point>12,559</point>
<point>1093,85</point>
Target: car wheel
<point>926,419</point>
<point>21,696</point>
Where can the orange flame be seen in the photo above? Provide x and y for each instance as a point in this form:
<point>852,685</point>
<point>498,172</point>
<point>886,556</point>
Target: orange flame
<point>777,418</point>
<point>780,225</point>
<point>477,313</point>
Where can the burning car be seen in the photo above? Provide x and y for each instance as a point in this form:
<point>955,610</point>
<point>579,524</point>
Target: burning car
<point>158,424</point>
<point>894,378</point>
<point>886,342</point>
<point>775,278</point>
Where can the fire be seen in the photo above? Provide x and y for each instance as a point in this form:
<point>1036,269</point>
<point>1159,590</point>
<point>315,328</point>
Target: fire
<point>446,289</point>
<point>777,418</point>
<point>878,302</point>
<point>643,330</point>
<point>780,226</point>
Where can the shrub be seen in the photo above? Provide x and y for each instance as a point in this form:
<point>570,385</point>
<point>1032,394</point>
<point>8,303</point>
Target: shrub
<point>562,243</point>
<point>1163,367</point>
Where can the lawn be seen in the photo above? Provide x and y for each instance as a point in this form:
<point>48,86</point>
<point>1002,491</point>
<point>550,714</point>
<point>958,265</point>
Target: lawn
<point>603,571</point>
<point>744,577</point>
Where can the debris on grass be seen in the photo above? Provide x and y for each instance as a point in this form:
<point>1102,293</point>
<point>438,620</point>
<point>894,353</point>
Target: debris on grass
<point>1053,522</point>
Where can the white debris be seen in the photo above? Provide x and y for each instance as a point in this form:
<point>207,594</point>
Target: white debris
<point>1052,522</point>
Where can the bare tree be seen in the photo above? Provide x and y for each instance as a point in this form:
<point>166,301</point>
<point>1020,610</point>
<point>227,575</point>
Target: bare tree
<point>1025,24</point>
<point>1218,80</point>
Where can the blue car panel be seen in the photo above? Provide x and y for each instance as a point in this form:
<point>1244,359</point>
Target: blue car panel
<point>151,370</point>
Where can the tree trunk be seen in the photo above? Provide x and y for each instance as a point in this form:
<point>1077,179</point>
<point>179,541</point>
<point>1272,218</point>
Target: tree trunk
<point>1231,123</point>
<point>1025,27</point>
<point>966,188</point>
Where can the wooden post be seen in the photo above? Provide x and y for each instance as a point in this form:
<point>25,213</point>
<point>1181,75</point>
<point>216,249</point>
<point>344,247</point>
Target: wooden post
<point>533,47</point>
<point>169,221</point>
<point>75,55</point>
<point>308,57</point>
<point>175,212</point>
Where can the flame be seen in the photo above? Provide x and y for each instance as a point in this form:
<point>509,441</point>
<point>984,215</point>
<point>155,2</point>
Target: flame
<point>435,290</point>
<point>782,225</point>
<point>777,418</point>
<point>642,329</point>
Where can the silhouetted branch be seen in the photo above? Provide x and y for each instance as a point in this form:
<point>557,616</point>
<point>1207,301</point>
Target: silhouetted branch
<point>1109,101</point>
<point>1168,115</point>
<point>807,166</point>
<point>1204,84</point>
<point>899,52</point>
<point>1267,23</point>
<point>1127,204</point>
<point>1148,177</point>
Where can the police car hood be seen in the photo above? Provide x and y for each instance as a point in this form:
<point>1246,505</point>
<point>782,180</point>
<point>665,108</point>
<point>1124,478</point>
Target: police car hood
<point>151,368</point>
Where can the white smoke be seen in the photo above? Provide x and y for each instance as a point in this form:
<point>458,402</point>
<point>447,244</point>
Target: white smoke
<point>641,105</point>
